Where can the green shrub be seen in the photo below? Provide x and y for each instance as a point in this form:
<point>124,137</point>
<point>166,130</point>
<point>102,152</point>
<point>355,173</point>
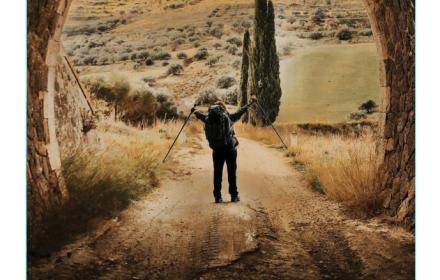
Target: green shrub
<point>345,35</point>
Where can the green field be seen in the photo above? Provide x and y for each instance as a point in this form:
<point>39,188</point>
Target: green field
<point>327,83</point>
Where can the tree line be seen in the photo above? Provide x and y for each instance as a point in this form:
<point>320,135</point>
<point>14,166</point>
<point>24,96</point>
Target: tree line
<point>138,107</point>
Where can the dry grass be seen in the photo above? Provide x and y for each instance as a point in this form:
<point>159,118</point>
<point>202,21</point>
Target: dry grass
<point>105,176</point>
<point>344,167</point>
<point>260,134</point>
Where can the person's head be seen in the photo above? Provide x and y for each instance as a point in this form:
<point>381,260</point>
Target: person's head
<point>221,104</point>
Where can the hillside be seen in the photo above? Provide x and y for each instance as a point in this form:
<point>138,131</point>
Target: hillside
<point>107,36</point>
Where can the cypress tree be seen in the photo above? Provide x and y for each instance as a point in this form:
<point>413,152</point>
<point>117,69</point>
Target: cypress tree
<point>264,79</point>
<point>243,96</point>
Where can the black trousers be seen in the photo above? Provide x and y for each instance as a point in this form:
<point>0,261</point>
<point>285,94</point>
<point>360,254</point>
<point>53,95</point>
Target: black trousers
<point>220,157</point>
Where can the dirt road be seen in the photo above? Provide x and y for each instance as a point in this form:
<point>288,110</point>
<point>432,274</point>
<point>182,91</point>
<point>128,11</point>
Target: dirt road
<point>280,230</point>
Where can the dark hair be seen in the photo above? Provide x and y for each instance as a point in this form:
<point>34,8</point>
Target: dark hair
<point>221,104</point>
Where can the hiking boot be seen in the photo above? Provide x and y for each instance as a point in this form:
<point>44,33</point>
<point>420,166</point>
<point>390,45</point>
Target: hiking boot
<point>218,199</point>
<point>235,198</point>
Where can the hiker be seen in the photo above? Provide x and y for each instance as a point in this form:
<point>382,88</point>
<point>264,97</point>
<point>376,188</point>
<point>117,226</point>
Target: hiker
<point>220,134</point>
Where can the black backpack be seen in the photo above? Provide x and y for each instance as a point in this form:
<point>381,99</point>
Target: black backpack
<point>218,128</point>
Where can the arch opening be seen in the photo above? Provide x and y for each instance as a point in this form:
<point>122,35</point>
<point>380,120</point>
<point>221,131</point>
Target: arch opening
<point>393,28</point>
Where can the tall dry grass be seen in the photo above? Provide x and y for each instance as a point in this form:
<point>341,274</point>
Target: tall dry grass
<point>105,175</point>
<point>343,166</point>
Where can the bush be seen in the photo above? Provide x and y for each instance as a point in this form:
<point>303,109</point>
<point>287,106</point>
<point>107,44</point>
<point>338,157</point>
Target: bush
<point>231,97</point>
<point>194,38</point>
<point>226,82</point>
<point>113,92</point>
<point>160,54</point>
<point>235,41</point>
<point>201,54</point>
<point>366,33</point>
<point>207,97</point>
<point>149,61</point>
<point>123,57</point>
<point>143,55</point>
<point>213,60</point>
<point>236,64</point>
<point>148,79</point>
<point>139,108</point>
<point>345,35</point>
<point>318,17</point>
<point>232,49</point>
<point>166,108</point>
<point>316,36</point>
<point>89,60</point>
<point>175,69</point>
<point>217,45</point>
<point>182,55</point>
<point>356,116</point>
<point>217,32</point>
<point>369,106</point>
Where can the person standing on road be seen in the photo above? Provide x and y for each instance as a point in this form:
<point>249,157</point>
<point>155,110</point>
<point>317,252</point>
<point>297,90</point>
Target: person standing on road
<point>220,134</point>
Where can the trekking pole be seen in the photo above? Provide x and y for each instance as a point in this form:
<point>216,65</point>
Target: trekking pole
<point>174,142</point>
<point>267,119</point>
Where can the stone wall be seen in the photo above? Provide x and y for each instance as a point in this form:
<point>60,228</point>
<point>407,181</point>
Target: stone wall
<point>72,108</point>
<point>393,27</point>
<point>45,185</point>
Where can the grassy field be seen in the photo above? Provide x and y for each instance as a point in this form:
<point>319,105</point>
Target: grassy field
<point>327,83</point>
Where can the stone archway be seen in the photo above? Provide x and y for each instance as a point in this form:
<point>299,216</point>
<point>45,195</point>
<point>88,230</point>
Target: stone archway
<point>393,27</point>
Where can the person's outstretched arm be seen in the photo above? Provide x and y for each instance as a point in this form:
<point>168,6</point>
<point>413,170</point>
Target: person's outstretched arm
<point>237,115</point>
<point>200,115</point>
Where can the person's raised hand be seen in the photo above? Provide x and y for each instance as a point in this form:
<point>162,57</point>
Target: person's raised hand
<point>253,99</point>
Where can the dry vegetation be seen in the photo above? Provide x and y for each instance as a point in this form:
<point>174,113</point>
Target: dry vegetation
<point>103,177</point>
<point>341,165</point>
<point>152,37</point>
